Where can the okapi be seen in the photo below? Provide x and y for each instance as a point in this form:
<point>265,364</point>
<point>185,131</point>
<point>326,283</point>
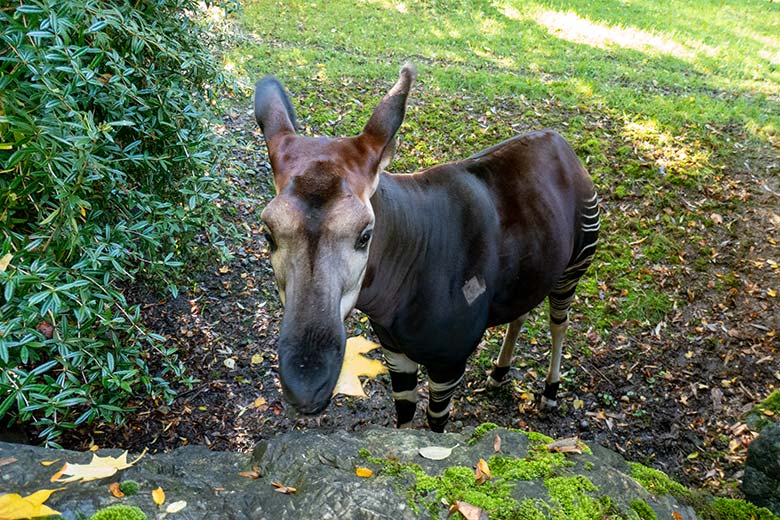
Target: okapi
<point>432,258</point>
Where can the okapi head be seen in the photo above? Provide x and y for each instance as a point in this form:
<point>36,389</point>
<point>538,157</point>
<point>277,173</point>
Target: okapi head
<point>319,229</point>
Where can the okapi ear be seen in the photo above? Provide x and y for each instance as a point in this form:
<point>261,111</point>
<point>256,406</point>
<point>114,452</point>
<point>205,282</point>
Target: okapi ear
<point>379,132</point>
<point>273,110</point>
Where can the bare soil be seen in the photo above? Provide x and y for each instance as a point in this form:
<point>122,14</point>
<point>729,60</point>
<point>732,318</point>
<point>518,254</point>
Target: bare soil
<point>672,395</point>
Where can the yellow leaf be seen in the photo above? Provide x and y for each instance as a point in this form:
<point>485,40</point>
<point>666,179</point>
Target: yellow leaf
<point>99,467</point>
<point>771,292</point>
<point>356,364</point>
<point>260,401</point>
<point>5,260</point>
<point>482,473</point>
<point>363,472</point>
<point>94,447</point>
<point>83,212</point>
<point>48,463</point>
<point>14,507</point>
<point>257,359</point>
<point>158,495</point>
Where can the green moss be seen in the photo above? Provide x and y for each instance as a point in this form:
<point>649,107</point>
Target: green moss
<point>572,499</point>
<point>119,512</point>
<point>480,432</point>
<point>536,438</point>
<point>731,509</point>
<point>129,487</point>
<point>537,465</point>
<point>658,482</point>
<point>641,508</point>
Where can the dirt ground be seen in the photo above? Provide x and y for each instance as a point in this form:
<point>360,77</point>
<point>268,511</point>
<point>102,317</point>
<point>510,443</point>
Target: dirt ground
<point>672,395</point>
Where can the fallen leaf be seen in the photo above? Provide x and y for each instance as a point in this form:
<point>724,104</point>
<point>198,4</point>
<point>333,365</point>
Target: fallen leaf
<point>175,507</point>
<point>256,359</point>
<point>482,472</point>
<point>15,507</point>
<point>99,467</point>
<point>567,445</point>
<point>6,461</point>
<point>230,363</point>
<point>254,474</point>
<point>47,463</point>
<point>469,512</point>
<point>281,488</point>
<point>579,404</point>
<point>114,489</point>
<point>46,329</point>
<point>436,452</point>
<point>94,447</point>
<point>771,292</point>
<point>356,364</point>
<point>363,472</point>
<point>260,401</point>
<point>158,495</point>
<point>5,261</point>
<point>676,515</point>
<point>497,444</point>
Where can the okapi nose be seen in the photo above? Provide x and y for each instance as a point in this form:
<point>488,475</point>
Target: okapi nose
<point>308,373</point>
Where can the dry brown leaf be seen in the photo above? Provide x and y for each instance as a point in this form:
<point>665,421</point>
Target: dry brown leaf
<point>16,507</point>
<point>114,489</point>
<point>6,461</point>
<point>158,495</point>
<point>175,507</point>
<point>356,364</point>
<point>482,472</point>
<point>281,488</point>
<point>436,452</point>
<point>363,472</point>
<point>676,515</point>
<point>567,445</point>
<point>469,512</point>
<point>497,444</point>
<point>254,474</point>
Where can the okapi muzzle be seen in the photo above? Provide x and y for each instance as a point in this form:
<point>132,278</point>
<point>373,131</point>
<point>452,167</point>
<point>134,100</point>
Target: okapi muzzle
<point>432,258</point>
<point>319,229</point>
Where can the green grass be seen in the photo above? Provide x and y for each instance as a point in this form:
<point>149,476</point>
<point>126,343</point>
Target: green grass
<point>663,101</point>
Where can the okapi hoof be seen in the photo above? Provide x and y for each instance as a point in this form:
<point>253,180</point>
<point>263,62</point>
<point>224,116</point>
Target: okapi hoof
<point>497,377</point>
<point>549,399</point>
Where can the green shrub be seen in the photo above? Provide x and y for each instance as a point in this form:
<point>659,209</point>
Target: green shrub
<point>105,149</point>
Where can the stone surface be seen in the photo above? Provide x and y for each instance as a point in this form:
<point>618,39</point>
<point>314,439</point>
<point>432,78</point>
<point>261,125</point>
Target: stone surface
<point>761,482</point>
<point>321,467</point>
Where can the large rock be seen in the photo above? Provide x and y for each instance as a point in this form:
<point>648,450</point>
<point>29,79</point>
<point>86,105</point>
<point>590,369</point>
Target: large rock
<point>761,482</point>
<point>321,467</point>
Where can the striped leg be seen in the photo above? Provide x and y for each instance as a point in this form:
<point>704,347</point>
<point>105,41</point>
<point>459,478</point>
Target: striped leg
<point>441,388</point>
<point>403,377</point>
<point>562,295</point>
<point>502,364</point>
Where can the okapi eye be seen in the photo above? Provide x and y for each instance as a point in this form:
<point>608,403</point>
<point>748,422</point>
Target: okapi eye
<point>363,239</point>
<point>270,239</point>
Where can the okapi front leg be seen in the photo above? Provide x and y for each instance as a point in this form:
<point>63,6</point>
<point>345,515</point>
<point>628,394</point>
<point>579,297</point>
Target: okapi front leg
<point>403,377</point>
<point>441,389</point>
<point>501,365</point>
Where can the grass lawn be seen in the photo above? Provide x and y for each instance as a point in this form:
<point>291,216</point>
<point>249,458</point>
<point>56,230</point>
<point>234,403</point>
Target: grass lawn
<point>673,106</point>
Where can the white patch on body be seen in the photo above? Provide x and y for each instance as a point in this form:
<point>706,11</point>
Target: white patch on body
<point>473,289</point>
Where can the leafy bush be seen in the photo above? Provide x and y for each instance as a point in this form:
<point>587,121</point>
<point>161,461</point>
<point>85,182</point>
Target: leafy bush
<point>105,151</point>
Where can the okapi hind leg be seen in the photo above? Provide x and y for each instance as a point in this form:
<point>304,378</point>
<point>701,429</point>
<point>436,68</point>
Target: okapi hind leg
<point>502,364</point>
<point>561,296</point>
<point>403,377</point>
